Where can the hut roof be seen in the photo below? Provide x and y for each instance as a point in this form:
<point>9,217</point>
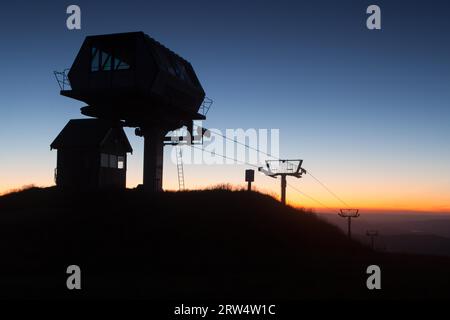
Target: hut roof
<point>89,133</point>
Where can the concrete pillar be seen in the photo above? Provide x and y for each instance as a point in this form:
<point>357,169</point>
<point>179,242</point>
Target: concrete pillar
<point>153,159</point>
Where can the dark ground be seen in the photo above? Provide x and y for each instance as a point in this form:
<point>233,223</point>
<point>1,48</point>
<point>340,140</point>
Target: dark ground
<point>193,245</point>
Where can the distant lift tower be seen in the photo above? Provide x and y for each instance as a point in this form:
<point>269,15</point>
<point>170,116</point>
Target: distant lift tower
<point>135,80</point>
<point>372,234</point>
<point>349,214</point>
<point>283,168</point>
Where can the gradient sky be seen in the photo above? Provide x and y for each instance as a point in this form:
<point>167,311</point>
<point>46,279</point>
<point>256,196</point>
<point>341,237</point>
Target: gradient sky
<point>368,111</point>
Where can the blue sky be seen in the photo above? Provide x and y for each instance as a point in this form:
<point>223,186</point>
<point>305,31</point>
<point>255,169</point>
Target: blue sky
<point>368,111</point>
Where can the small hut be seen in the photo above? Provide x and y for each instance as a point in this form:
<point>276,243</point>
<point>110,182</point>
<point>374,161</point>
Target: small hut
<point>92,153</point>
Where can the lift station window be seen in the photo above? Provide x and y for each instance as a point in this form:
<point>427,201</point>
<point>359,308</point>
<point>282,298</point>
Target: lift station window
<point>180,70</point>
<point>173,66</point>
<point>120,65</point>
<point>95,60</point>
<point>183,74</point>
<point>103,61</point>
<point>106,61</point>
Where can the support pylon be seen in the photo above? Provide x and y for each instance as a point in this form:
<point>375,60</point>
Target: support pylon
<point>283,168</point>
<point>349,214</point>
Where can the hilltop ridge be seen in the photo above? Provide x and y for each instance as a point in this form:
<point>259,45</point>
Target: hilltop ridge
<point>196,244</point>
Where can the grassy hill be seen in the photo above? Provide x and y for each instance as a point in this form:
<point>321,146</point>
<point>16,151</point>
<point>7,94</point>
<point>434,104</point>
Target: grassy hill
<point>199,244</point>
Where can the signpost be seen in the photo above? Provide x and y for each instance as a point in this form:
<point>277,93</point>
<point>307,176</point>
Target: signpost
<point>249,177</point>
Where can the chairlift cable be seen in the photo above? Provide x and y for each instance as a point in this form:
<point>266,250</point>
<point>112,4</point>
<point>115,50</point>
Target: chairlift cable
<point>268,154</point>
<point>308,196</point>
<point>223,156</point>
<point>247,146</point>
<point>252,165</point>
<point>328,189</point>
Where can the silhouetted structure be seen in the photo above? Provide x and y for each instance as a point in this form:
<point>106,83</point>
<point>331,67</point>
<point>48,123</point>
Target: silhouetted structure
<point>349,214</point>
<point>372,234</point>
<point>283,168</point>
<point>132,77</point>
<point>249,178</point>
<point>92,153</point>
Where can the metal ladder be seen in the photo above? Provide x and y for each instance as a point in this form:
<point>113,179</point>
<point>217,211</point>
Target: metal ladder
<point>180,170</point>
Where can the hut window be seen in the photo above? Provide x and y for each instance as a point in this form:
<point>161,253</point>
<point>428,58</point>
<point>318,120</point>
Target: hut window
<point>113,161</point>
<point>120,162</point>
<point>104,160</point>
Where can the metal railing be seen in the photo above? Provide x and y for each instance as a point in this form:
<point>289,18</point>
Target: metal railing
<point>62,79</point>
<point>206,105</point>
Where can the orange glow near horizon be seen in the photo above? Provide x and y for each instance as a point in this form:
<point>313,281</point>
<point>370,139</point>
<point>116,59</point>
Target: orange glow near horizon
<point>385,190</point>
<point>396,197</point>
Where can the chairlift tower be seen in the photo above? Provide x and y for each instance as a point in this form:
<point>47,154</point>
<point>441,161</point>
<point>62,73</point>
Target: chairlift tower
<point>283,168</point>
<point>372,234</point>
<point>349,214</point>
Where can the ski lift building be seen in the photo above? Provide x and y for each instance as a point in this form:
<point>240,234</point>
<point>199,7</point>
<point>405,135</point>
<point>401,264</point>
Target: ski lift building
<point>133,78</point>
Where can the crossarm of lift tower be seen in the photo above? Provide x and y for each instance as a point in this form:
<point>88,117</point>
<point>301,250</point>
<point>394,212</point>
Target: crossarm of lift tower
<point>346,213</point>
<point>282,167</point>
